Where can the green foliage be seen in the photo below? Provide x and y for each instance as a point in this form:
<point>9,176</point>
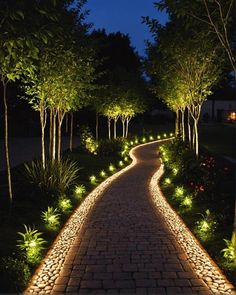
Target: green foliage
<point>87,140</point>
<point>51,218</point>
<point>64,204</point>
<point>179,192</point>
<point>93,179</point>
<point>14,273</point>
<point>111,147</point>
<point>205,227</point>
<point>103,174</point>
<point>186,203</point>
<point>229,251</point>
<point>56,178</point>
<point>112,168</point>
<point>31,243</point>
<point>79,191</point>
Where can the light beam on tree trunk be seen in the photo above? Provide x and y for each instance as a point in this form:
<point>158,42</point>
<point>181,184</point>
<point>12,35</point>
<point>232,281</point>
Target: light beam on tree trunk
<point>182,124</point>
<point>123,126</point>
<point>54,131</point>
<point>115,127</point>
<point>177,123</point>
<point>127,126</point>
<point>189,131</point>
<point>109,127</point>
<point>50,133</point>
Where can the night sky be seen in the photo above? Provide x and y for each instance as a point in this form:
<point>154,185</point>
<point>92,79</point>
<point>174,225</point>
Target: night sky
<point>124,16</point>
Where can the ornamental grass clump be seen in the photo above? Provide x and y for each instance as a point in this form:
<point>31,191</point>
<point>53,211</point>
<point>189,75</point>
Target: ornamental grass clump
<point>229,252</point>
<point>31,243</point>
<point>51,218</point>
<point>56,178</point>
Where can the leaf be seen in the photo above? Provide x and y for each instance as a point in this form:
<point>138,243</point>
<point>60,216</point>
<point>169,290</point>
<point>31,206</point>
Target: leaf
<point>20,13</point>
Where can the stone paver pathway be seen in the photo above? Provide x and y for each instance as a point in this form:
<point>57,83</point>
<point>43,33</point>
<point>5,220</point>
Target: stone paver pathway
<point>125,246</point>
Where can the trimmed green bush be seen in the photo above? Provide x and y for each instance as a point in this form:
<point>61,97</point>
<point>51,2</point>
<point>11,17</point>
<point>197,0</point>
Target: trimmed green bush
<point>111,147</point>
<point>14,273</point>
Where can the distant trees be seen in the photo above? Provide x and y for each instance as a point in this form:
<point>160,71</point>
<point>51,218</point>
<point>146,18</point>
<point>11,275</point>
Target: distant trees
<point>121,81</point>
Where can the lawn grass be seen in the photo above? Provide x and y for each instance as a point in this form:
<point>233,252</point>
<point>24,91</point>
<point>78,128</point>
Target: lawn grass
<point>218,138</point>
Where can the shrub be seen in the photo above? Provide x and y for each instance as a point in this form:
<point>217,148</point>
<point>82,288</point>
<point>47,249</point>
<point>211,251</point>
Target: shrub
<point>79,191</point>
<point>51,218</point>
<point>32,244</point>
<point>87,140</point>
<point>64,204</point>
<point>111,147</point>
<point>56,178</point>
<point>14,273</point>
<point>103,174</point>
<point>205,227</point>
<point>112,168</point>
<point>229,251</point>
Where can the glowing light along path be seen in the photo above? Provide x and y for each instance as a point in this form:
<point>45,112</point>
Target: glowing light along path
<point>200,261</point>
<point>49,270</point>
<point>47,273</point>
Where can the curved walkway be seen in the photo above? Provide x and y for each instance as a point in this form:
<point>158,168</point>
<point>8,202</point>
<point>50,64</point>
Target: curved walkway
<point>125,246</point>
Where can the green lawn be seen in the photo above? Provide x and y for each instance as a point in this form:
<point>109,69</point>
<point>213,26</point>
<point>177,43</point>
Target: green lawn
<point>219,138</point>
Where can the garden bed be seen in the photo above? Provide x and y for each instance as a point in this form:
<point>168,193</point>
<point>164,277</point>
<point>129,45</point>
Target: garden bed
<point>202,193</point>
<point>34,203</point>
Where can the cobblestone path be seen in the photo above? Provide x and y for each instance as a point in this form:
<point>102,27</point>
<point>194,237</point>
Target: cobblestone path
<point>125,245</point>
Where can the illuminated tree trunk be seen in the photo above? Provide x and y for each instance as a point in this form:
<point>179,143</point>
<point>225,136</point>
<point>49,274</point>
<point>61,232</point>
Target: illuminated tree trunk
<point>4,82</point>
<point>195,111</point>
<point>182,124</point>
<point>127,126</point>
<point>123,126</point>
<point>54,131</point>
<point>43,121</point>
<point>177,123</point>
<point>109,127</point>
<point>189,131</point>
<point>60,117</point>
<point>97,125</point>
<point>115,127</point>
<point>196,137</point>
<point>71,130</point>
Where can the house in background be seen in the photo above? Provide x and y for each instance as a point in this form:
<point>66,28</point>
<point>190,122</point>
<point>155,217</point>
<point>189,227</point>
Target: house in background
<point>219,110</point>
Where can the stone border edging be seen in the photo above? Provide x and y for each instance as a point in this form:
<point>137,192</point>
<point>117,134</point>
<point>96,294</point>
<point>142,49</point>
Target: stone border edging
<point>201,262</point>
<point>43,280</point>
